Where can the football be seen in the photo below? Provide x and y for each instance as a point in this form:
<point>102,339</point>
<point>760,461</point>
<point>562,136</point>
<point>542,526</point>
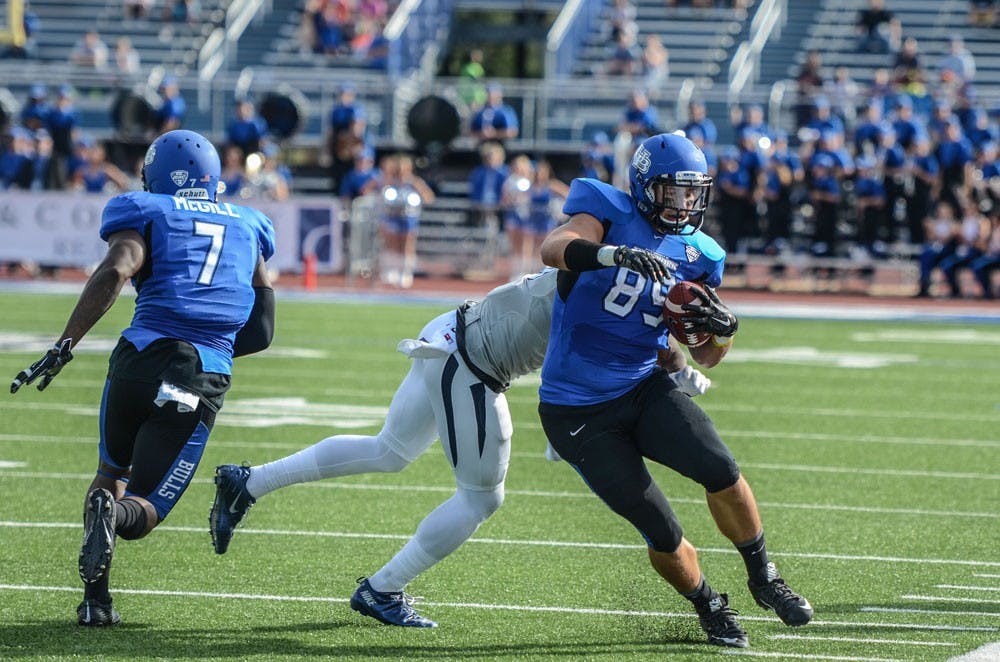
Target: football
<point>678,319</point>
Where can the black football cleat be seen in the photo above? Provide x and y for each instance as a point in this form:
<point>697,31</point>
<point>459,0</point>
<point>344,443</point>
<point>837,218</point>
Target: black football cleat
<point>98,535</point>
<point>776,595</point>
<point>232,501</point>
<point>389,608</point>
<point>96,614</point>
<point>720,624</point>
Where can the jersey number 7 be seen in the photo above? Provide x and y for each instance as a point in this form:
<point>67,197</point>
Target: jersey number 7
<point>217,232</point>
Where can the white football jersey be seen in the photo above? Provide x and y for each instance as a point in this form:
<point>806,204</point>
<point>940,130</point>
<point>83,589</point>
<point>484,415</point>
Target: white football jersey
<point>507,332</point>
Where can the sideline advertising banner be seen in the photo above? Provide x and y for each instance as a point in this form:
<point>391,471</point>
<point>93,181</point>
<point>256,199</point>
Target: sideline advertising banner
<point>59,229</point>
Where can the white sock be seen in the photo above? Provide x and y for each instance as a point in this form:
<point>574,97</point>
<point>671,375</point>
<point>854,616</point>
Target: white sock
<point>343,455</point>
<point>439,534</point>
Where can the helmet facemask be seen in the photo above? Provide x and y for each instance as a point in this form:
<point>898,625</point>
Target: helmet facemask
<point>675,203</point>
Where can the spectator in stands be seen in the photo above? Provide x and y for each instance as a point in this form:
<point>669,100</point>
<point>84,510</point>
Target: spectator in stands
<point>874,228</point>
<point>892,162</point>
<point>942,231</point>
<point>247,128</point>
<point>823,118</point>
<point>621,19</point>
<point>598,159</point>
<point>655,64</point>
<point>515,210</point>
<point>983,13</point>
<point>471,89</point>
<point>882,90</point>
<point>955,156</point>
<point>486,185</point>
<point>640,118</point>
<point>982,130</point>
<point>127,61</point>
<point>809,83</point>
<point>824,193</point>
<point>988,263</point>
<point>959,60</point>
<point>347,134</point>
<point>496,121</point>
<point>784,172</point>
<point>926,177</point>
<point>43,174</point>
<point>868,132</point>
<point>35,113</point>
<point>98,175</point>
<point>842,93</point>
<point>986,179</point>
<point>734,187</point>
<point>90,52</point>
<point>330,27</point>
<point>752,119</point>
<point>267,178</point>
<point>873,36</point>
<point>377,56</point>
<point>626,57</point>
<point>698,118</point>
<point>233,172</point>
<point>711,160</point>
<point>545,195</point>
<point>62,123</point>
<point>403,194</point>
<point>135,10</point>
<point>170,114</point>
<point>906,67</point>
<point>363,178</point>
<point>181,11</point>
<point>906,124</point>
<point>970,245</point>
<point>29,48</point>
<point>17,165</point>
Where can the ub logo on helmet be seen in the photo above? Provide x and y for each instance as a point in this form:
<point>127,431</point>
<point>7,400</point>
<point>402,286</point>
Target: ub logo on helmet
<point>669,182</point>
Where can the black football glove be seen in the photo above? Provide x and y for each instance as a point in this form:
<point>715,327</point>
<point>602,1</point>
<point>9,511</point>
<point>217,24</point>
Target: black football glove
<point>648,263</point>
<point>711,314</point>
<point>46,367</point>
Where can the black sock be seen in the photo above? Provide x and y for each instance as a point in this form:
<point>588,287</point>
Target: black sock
<point>130,519</point>
<point>701,596</point>
<point>754,554</point>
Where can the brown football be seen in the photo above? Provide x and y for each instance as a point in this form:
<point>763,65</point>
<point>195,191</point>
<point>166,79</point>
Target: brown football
<point>677,319</point>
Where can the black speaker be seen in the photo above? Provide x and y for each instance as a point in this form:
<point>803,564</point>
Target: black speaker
<point>132,115</point>
<point>282,114</point>
<point>433,121</point>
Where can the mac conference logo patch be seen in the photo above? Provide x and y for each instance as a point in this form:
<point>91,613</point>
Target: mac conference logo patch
<point>692,253</point>
<point>179,176</point>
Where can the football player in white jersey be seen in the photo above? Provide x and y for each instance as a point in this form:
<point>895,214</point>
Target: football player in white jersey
<point>463,361</point>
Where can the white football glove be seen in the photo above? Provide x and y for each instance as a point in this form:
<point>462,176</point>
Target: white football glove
<point>690,381</point>
<point>551,455</point>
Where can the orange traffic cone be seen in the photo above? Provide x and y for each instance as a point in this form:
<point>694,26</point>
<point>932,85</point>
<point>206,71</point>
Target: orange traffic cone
<point>309,272</point>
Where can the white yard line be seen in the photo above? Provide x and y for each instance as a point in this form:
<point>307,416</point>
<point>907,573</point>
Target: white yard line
<point>937,612</point>
<point>969,588</point>
<point>440,489</point>
<point>941,598</point>
<point>804,656</point>
<point>986,574</point>
<point>860,640</point>
<point>490,606</point>
<point>871,472</point>
<point>522,542</point>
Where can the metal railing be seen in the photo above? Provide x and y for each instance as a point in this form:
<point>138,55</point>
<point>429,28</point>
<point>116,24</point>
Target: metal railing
<point>414,26</point>
<point>744,68</point>
<point>567,34</point>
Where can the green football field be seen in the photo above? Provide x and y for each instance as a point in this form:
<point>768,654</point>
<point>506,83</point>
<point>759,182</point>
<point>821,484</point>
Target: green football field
<point>873,449</point>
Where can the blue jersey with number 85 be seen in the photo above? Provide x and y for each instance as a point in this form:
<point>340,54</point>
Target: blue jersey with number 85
<point>196,285</point>
<point>607,331</point>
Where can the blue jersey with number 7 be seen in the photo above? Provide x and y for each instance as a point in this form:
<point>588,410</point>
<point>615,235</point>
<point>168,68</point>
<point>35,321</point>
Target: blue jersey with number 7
<point>606,331</point>
<point>196,284</point>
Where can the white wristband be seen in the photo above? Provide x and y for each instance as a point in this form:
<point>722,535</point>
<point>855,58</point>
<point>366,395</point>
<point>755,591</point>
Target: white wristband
<point>722,341</point>
<point>606,255</point>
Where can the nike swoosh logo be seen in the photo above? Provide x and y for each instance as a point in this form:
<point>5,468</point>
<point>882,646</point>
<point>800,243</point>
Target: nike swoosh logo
<point>577,431</point>
<point>233,508</point>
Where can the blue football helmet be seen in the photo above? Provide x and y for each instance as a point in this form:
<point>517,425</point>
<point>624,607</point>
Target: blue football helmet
<point>182,163</point>
<point>668,179</point>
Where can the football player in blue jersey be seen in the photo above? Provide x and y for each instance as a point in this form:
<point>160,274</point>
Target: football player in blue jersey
<point>203,297</point>
<point>607,406</point>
